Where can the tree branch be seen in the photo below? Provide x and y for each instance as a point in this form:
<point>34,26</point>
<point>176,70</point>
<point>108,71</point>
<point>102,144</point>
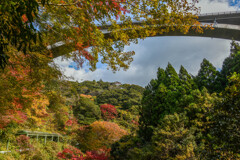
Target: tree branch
<point>60,4</point>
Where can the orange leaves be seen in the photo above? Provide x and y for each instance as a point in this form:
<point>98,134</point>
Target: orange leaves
<point>100,3</point>
<point>87,96</point>
<point>11,115</point>
<point>24,18</point>
<point>69,123</point>
<point>79,45</point>
<point>99,134</point>
<point>71,153</point>
<point>100,154</point>
<point>108,131</point>
<point>82,53</point>
<point>62,2</point>
<point>17,104</point>
<point>21,93</point>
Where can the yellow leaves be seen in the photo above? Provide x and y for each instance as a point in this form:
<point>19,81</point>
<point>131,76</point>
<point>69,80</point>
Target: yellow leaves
<point>87,96</point>
<point>38,110</point>
<point>99,134</point>
<point>158,17</point>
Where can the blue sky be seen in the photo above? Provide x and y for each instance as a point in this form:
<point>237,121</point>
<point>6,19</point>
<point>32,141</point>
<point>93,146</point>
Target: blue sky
<point>155,52</point>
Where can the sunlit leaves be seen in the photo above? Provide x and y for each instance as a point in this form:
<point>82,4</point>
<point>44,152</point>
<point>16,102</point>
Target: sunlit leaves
<point>21,88</point>
<point>17,26</point>
<point>78,24</point>
<point>173,140</point>
<point>108,111</point>
<point>99,134</point>
<point>225,128</point>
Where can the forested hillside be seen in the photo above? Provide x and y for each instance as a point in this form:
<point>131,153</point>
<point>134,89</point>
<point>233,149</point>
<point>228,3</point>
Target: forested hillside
<point>176,116</point>
<point>188,117</point>
<point>115,93</point>
<point>90,115</point>
<point>43,116</point>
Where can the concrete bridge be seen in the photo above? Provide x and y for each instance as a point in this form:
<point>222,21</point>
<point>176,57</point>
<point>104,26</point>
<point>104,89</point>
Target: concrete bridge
<point>226,26</point>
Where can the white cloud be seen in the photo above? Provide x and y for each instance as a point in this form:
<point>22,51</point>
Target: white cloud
<point>209,6</point>
<point>158,51</point>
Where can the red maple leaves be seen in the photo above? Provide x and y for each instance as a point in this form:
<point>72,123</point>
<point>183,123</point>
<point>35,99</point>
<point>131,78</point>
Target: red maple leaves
<point>100,154</point>
<point>73,153</point>
<point>108,111</point>
<point>24,18</point>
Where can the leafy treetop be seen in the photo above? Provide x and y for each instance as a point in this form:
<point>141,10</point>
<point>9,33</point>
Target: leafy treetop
<point>77,24</point>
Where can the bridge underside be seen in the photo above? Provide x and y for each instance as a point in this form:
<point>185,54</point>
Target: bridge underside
<point>222,33</point>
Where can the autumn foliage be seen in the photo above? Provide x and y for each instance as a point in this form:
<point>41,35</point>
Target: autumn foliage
<point>98,135</point>
<point>108,111</point>
<point>30,98</point>
<point>23,142</point>
<point>83,21</point>
<point>71,153</point>
<point>21,92</point>
<point>87,96</point>
<point>100,154</point>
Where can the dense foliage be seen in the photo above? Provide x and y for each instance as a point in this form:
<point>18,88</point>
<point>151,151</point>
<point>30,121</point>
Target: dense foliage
<point>98,135</point>
<point>114,93</point>
<point>181,116</point>
<point>86,111</point>
<point>76,24</point>
<point>108,111</point>
<point>187,117</point>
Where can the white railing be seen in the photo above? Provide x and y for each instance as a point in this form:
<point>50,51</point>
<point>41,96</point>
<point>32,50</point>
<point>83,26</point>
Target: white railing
<point>3,152</point>
<point>219,13</point>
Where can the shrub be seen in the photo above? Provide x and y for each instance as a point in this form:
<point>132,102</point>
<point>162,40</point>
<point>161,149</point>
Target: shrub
<point>98,135</point>
<point>108,111</point>
<point>71,153</point>
<point>100,154</point>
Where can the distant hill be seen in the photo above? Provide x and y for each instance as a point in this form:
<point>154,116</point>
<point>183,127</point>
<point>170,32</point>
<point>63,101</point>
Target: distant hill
<point>115,93</point>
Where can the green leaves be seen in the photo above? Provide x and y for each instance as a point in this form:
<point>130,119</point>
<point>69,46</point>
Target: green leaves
<point>207,76</point>
<point>17,27</point>
<point>86,111</point>
<point>165,95</point>
<point>82,21</point>
<point>173,140</point>
<point>225,130</point>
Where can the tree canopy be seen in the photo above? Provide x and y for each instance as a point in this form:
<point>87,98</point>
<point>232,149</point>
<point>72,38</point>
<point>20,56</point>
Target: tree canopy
<point>17,18</point>
<point>187,117</point>
<point>72,26</point>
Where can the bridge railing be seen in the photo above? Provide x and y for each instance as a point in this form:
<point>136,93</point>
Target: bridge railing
<point>219,13</point>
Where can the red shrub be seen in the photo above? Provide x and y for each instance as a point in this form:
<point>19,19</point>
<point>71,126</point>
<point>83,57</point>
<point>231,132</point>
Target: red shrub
<point>23,142</point>
<point>101,154</point>
<point>108,111</point>
<point>71,153</point>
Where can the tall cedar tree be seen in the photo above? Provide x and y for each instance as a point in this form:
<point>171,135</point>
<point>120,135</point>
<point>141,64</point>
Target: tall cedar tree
<point>225,140</point>
<point>165,95</point>
<point>230,64</point>
<point>207,76</point>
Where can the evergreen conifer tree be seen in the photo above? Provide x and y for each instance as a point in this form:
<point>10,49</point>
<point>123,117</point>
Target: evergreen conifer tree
<point>207,76</point>
<point>230,64</point>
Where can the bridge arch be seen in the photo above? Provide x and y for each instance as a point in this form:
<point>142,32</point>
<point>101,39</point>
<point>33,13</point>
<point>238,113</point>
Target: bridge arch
<point>226,26</point>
